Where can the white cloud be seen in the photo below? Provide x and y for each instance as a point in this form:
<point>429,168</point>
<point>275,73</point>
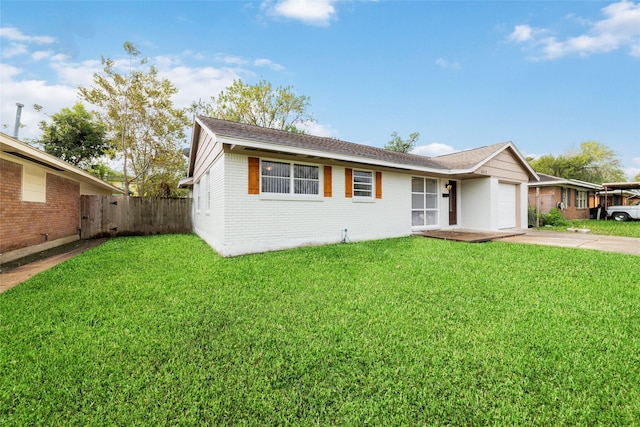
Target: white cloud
<point>13,34</point>
<point>619,28</point>
<point>312,12</point>
<point>447,64</point>
<point>262,62</point>
<point>317,129</point>
<point>18,88</point>
<point>636,160</point>
<point>521,33</point>
<point>433,149</point>
<point>40,54</point>
<point>14,49</point>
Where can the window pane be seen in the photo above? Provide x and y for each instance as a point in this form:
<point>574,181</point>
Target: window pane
<point>431,218</point>
<point>417,218</point>
<point>275,169</point>
<point>417,201</point>
<point>362,183</point>
<point>417,185</point>
<point>305,171</point>
<point>275,185</point>
<point>306,179</point>
<point>432,186</point>
<point>432,201</point>
<point>305,186</point>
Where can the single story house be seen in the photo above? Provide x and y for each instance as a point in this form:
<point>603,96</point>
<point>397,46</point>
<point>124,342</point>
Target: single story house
<point>574,197</point>
<point>257,189</point>
<point>40,199</point>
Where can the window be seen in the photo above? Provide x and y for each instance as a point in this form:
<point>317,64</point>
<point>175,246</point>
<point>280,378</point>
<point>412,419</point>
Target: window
<point>196,191</point>
<point>34,184</point>
<point>424,202</point>
<point>290,178</point>
<point>362,183</point>
<point>581,199</point>
<point>208,184</point>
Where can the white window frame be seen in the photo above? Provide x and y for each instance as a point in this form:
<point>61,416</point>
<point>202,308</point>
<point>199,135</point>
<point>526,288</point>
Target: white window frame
<point>435,197</point>
<point>292,179</point>
<point>581,199</point>
<point>196,191</point>
<point>208,190</point>
<point>363,185</point>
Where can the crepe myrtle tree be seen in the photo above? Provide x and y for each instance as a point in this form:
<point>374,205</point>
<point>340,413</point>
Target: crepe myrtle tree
<point>137,109</point>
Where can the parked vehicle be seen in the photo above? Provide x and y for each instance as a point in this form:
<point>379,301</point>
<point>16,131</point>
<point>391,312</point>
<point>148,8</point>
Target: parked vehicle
<point>624,213</point>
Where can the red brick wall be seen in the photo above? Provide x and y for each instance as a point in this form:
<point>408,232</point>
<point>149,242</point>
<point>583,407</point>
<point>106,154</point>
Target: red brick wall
<point>21,223</point>
<point>549,197</point>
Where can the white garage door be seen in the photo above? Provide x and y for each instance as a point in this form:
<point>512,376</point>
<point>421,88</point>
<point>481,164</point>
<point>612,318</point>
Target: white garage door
<point>507,202</point>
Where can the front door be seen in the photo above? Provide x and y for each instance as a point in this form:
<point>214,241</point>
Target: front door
<point>453,204</point>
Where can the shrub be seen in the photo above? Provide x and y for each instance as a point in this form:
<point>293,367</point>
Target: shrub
<point>554,217</point>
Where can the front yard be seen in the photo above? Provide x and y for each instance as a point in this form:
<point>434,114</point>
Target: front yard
<point>162,331</point>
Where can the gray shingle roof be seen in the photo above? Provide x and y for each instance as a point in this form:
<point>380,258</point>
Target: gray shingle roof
<point>469,158</point>
<point>328,145</point>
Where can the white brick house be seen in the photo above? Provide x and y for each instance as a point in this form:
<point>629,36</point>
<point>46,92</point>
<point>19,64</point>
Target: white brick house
<point>258,189</point>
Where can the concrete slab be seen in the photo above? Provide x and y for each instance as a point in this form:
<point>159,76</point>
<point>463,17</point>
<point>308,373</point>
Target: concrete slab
<point>14,273</point>
<point>625,245</point>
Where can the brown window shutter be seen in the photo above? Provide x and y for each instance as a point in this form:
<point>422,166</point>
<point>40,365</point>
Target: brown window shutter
<point>328,186</point>
<point>254,175</point>
<point>378,185</point>
<point>348,183</point>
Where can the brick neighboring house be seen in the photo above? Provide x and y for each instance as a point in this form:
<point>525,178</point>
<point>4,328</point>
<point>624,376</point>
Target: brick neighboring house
<point>574,197</point>
<point>40,199</point>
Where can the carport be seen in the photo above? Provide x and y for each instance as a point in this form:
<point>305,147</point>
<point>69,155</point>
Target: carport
<point>611,187</point>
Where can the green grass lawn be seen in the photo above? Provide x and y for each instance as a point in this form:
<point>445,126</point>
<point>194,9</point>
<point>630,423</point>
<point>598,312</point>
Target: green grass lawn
<point>608,228</point>
<point>411,331</point>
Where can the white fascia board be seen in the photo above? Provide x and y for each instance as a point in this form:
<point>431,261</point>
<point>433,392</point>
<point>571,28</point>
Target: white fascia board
<point>332,155</point>
<point>40,155</point>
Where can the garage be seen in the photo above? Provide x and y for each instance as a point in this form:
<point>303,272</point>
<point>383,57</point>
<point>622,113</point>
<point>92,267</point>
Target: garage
<point>507,205</point>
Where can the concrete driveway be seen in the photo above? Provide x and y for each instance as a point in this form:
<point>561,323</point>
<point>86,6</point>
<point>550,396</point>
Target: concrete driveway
<point>625,245</point>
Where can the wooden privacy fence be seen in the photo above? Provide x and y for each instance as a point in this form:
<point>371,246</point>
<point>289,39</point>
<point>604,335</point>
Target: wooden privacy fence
<point>110,216</point>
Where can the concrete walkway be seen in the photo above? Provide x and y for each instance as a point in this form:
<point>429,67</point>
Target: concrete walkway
<point>625,245</point>
<point>13,277</point>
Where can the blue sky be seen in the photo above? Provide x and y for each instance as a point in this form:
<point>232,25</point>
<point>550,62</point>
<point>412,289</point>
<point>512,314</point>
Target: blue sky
<point>547,75</point>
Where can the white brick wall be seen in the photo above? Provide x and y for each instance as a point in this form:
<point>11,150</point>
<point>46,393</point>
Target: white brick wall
<point>240,223</point>
<point>258,223</point>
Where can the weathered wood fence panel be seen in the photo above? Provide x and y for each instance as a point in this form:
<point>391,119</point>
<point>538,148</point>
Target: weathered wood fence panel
<point>110,216</point>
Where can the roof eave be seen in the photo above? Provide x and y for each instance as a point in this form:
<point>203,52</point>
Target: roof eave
<point>240,142</point>
<point>40,155</point>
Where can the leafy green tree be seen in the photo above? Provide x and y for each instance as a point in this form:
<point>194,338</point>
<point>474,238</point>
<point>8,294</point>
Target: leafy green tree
<point>164,181</point>
<point>75,136</point>
<point>139,116</point>
<point>259,105</point>
<point>594,162</point>
<point>402,146</point>
<point>636,178</point>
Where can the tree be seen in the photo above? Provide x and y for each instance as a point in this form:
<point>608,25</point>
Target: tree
<point>75,136</point>
<point>594,162</point>
<point>138,113</point>
<point>259,105</point>
<point>636,178</point>
<point>402,146</point>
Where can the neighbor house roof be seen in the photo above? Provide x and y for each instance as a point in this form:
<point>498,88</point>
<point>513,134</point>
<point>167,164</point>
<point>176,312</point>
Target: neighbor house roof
<point>234,133</point>
<point>18,149</point>
<point>552,181</point>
